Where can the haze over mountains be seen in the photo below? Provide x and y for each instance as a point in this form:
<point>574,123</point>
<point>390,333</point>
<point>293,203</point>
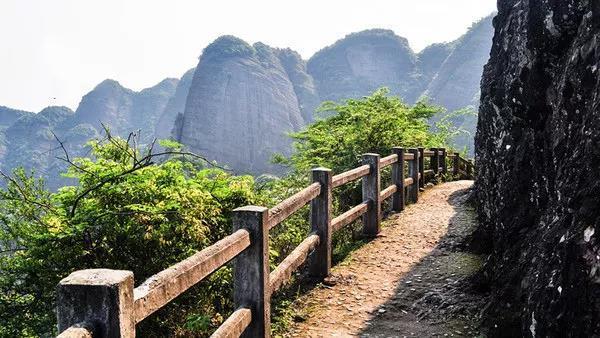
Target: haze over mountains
<point>237,105</point>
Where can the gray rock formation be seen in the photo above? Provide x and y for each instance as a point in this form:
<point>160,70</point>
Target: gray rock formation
<point>538,157</point>
<point>456,83</point>
<point>125,110</point>
<point>175,106</point>
<point>32,145</point>
<point>240,106</point>
<point>363,62</point>
<point>304,87</point>
<point>8,116</point>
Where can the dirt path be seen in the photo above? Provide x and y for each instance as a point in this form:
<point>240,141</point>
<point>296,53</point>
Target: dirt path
<point>407,282</point>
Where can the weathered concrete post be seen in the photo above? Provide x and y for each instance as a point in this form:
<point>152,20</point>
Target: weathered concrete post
<point>434,162</point>
<point>101,299</point>
<point>422,167</point>
<point>398,179</point>
<point>251,270</point>
<point>413,172</point>
<point>443,161</point>
<point>320,221</point>
<point>456,165</point>
<point>370,191</point>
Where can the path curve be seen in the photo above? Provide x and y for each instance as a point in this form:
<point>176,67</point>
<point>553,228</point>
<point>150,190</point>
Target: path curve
<point>405,282</point>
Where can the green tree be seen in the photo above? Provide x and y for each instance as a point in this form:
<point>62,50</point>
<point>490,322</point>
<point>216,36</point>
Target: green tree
<point>133,210</point>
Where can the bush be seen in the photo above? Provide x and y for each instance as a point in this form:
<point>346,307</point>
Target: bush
<point>125,213</point>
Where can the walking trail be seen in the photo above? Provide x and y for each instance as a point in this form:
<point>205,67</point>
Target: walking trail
<point>411,281</point>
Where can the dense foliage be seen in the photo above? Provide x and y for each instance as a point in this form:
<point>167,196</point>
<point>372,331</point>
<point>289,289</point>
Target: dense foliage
<point>126,213</point>
<point>143,210</point>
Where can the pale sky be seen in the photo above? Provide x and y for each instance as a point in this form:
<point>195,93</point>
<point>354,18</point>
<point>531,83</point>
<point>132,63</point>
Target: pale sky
<point>55,51</point>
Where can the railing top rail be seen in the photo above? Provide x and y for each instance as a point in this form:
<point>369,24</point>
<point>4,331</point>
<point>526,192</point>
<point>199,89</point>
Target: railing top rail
<point>387,161</point>
<point>286,208</point>
<point>350,175</point>
<point>164,286</point>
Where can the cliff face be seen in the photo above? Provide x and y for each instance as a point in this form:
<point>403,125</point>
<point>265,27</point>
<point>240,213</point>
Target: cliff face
<point>364,61</point>
<point>175,106</point>
<point>240,106</point>
<point>304,86</point>
<point>538,151</point>
<point>32,145</point>
<point>125,110</point>
<point>8,116</point>
<point>456,83</point>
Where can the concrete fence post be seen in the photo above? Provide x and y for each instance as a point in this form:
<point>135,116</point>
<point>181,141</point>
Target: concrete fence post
<point>443,163</point>
<point>251,270</point>
<point>398,180</point>
<point>422,167</point>
<point>413,172</point>
<point>100,299</point>
<point>434,161</point>
<point>456,165</point>
<point>371,185</point>
<point>320,221</point>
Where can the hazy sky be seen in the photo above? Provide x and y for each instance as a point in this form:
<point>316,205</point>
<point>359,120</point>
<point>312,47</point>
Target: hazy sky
<point>54,51</point>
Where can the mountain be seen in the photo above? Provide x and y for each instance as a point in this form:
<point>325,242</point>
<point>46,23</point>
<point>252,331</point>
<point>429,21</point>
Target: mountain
<point>363,62</point>
<point>30,140</point>
<point>240,106</point>
<point>456,84</point>
<point>304,85</point>
<point>123,109</point>
<point>8,116</point>
<point>240,101</point>
<point>174,107</point>
<point>31,143</point>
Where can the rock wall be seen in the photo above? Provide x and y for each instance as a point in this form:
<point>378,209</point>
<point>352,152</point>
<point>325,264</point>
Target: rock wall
<point>363,62</point>
<point>538,156</point>
<point>123,109</point>
<point>175,106</point>
<point>240,106</point>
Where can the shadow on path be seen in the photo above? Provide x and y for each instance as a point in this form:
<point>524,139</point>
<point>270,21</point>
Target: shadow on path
<point>409,282</point>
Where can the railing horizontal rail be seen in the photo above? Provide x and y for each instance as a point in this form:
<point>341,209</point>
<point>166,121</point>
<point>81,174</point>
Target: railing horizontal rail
<point>350,175</point>
<point>349,216</point>
<point>428,153</point>
<point>387,161</point>
<point>164,286</point>
<point>283,272</point>
<point>409,157</point>
<point>235,325</point>
<point>428,172</point>
<point>283,210</point>
<point>408,181</point>
<point>389,191</point>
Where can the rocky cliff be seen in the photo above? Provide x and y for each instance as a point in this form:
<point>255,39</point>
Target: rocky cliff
<point>456,82</point>
<point>8,116</point>
<point>123,109</point>
<point>362,62</point>
<point>538,156</point>
<point>31,143</point>
<point>240,106</point>
<point>304,86</point>
<point>174,107</point>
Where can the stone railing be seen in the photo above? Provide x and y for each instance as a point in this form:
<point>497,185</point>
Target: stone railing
<point>104,303</point>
